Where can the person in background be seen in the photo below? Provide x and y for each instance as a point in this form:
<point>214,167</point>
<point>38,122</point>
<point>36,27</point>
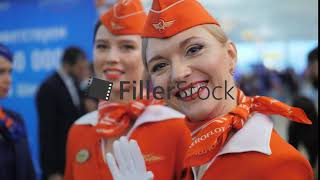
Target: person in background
<point>310,87</point>
<point>59,103</point>
<point>304,134</point>
<point>15,159</point>
<point>90,104</point>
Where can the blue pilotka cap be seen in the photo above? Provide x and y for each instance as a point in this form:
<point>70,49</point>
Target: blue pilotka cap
<point>5,52</point>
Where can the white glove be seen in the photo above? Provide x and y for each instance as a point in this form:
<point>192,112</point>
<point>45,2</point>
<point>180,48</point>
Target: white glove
<point>131,165</point>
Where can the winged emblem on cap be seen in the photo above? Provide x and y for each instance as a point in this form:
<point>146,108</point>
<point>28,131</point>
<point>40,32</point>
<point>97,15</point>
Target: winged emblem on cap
<point>116,26</point>
<point>163,25</point>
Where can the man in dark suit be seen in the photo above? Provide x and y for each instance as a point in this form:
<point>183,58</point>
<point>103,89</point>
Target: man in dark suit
<point>59,104</point>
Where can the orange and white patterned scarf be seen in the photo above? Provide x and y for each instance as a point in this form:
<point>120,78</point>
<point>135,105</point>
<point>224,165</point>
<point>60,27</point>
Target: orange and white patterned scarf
<point>115,119</point>
<point>212,136</point>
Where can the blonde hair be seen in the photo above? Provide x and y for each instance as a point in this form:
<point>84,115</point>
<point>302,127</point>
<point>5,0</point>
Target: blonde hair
<point>215,30</point>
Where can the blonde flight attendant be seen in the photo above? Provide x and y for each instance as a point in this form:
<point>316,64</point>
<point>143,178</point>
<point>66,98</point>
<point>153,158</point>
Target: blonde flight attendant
<point>233,137</point>
<point>160,131</point>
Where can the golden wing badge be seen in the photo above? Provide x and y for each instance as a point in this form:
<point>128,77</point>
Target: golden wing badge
<point>116,26</point>
<point>150,158</point>
<point>163,25</point>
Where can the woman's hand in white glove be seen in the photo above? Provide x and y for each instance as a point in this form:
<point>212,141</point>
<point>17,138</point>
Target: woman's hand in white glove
<point>127,162</point>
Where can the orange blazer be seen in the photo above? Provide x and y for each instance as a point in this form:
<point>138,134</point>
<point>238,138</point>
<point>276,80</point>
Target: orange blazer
<point>161,133</point>
<point>257,152</point>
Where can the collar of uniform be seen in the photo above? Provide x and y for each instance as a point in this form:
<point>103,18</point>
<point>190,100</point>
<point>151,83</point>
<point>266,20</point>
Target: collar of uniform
<point>153,113</point>
<point>253,137</point>
<point>156,113</point>
<point>88,119</point>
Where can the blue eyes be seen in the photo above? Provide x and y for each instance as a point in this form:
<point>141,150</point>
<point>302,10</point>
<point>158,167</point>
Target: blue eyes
<point>158,67</point>
<point>191,51</point>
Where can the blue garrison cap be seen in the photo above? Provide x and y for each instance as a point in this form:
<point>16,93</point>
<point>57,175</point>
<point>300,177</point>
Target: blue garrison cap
<point>5,52</point>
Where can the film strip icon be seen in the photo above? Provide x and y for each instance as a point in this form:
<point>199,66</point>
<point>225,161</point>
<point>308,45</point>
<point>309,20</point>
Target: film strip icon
<point>99,89</point>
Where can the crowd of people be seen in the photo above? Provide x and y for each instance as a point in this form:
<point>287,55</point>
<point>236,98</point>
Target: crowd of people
<point>299,90</point>
<point>76,132</point>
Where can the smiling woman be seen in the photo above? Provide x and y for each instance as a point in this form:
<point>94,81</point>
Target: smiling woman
<point>195,51</point>
<point>228,132</point>
<point>117,58</point>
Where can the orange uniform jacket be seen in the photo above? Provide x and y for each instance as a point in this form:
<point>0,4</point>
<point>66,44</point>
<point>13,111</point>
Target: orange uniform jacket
<point>160,132</point>
<point>257,152</point>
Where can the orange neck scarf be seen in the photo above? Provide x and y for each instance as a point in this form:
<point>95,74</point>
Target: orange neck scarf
<point>212,136</point>
<point>115,119</point>
<point>11,129</point>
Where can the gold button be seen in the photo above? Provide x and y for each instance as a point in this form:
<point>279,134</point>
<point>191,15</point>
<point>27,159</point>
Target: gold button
<point>82,156</point>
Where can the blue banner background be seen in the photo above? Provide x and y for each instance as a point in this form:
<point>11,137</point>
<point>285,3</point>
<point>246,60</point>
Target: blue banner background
<point>38,31</point>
